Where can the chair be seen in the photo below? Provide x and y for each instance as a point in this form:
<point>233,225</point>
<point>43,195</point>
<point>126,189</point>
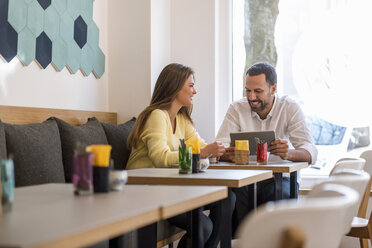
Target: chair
<point>349,163</point>
<point>313,216</point>
<point>361,227</point>
<point>357,180</point>
<point>344,163</point>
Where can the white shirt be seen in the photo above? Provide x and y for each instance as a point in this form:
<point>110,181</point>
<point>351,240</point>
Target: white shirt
<point>285,118</point>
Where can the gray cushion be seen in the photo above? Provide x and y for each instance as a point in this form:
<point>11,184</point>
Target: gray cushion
<point>2,142</point>
<point>87,134</point>
<point>117,136</point>
<point>37,153</point>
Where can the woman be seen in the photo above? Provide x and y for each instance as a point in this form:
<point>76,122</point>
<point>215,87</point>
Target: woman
<point>156,135</point>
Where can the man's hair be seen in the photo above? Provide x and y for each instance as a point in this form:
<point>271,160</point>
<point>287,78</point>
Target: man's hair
<point>263,68</point>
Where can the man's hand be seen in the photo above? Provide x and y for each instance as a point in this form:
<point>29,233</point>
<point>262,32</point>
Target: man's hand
<point>229,154</point>
<point>279,147</point>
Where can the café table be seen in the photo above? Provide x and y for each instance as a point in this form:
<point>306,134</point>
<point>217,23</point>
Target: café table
<point>278,168</point>
<point>50,215</point>
<point>230,178</point>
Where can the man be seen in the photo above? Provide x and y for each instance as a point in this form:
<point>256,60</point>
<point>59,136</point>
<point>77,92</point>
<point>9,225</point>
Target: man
<point>263,110</point>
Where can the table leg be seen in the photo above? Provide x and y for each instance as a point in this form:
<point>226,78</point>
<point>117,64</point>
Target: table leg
<point>278,177</point>
<point>117,242</point>
<point>221,223</point>
<point>196,229</point>
<point>189,235</point>
<point>252,194</point>
<point>225,228</point>
<point>147,236</point>
<point>193,234</point>
<point>293,185</point>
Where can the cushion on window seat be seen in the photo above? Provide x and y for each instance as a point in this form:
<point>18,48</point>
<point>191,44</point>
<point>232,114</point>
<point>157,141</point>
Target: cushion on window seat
<point>87,134</point>
<point>37,153</point>
<point>117,136</point>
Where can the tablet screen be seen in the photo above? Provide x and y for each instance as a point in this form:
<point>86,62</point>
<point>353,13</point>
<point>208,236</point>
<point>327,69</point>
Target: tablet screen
<point>266,136</point>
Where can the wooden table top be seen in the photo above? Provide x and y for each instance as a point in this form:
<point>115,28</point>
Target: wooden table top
<point>167,176</point>
<point>277,167</point>
<point>50,215</point>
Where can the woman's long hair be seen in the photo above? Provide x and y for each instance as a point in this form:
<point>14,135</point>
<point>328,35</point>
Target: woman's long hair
<point>170,81</point>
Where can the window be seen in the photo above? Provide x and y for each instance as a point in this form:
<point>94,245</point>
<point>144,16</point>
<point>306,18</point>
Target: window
<point>322,51</point>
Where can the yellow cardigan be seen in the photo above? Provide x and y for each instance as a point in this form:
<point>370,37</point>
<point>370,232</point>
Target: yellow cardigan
<point>158,145</point>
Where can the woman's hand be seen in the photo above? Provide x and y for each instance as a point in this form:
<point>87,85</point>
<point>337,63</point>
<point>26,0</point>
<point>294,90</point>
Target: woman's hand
<point>215,149</point>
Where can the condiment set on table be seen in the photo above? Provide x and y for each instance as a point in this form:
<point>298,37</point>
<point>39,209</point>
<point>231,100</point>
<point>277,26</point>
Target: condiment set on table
<point>189,157</point>
<point>92,172</point>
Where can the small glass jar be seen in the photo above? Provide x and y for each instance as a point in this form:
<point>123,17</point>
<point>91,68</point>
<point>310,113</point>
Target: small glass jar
<point>185,160</point>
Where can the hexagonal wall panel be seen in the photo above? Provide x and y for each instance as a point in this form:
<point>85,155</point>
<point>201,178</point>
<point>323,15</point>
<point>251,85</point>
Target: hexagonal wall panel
<point>87,9</point>
<point>8,42</point>
<point>60,6</point>
<point>73,8</point>
<point>51,23</point>
<point>67,28</point>
<point>43,50</point>
<point>59,54</point>
<point>99,64</point>
<point>93,36</point>
<point>61,32</point>
<point>4,5</point>
<point>73,57</point>
<point>26,46</point>
<point>87,60</point>
<point>35,18</point>
<point>44,3</point>
<point>80,32</point>
<point>17,19</point>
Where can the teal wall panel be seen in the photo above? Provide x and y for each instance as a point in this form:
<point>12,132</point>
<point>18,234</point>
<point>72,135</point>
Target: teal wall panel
<point>26,46</point>
<point>73,57</point>
<point>59,54</point>
<point>87,60</point>
<point>51,23</point>
<point>60,6</point>
<point>35,18</point>
<point>59,26</point>
<point>87,9</point>
<point>19,18</point>
<point>93,36</point>
<point>73,8</point>
<point>99,64</point>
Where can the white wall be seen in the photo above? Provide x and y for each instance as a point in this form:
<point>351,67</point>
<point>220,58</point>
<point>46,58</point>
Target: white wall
<point>160,37</point>
<point>129,43</point>
<point>35,87</point>
<point>196,41</point>
<point>138,38</point>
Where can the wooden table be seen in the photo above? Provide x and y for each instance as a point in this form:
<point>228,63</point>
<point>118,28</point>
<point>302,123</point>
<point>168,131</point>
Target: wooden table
<point>277,168</point>
<point>50,215</point>
<point>230,178</point>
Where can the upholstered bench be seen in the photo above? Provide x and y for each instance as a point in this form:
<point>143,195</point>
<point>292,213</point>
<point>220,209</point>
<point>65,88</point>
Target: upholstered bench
<point>42,143</point>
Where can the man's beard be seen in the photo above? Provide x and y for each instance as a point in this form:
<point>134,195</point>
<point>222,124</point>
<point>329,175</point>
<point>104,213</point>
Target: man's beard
<point>262,106</point>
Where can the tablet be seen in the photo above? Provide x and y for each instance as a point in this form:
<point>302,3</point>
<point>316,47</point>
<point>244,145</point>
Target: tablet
<point>267,136</point>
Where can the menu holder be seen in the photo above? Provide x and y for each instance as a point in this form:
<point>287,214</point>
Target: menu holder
<point>101,172</point>
<point>241,152</point>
